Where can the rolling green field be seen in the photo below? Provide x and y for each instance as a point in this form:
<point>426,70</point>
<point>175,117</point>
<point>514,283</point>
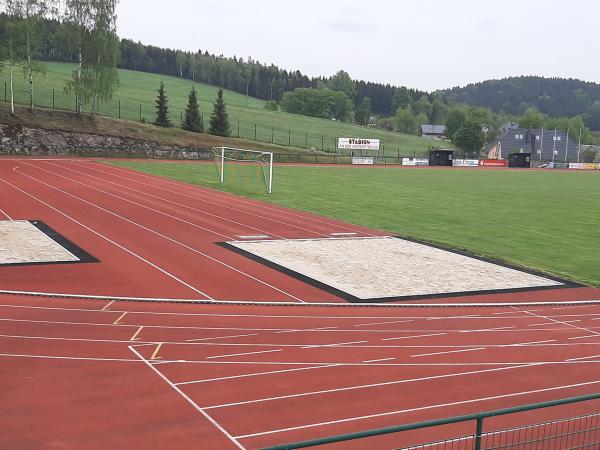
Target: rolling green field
<point>140,88</point>
<point>548,221</point>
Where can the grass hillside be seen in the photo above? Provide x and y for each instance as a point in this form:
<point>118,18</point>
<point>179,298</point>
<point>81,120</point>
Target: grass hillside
<point>488,212</point>
<point>140,88</point>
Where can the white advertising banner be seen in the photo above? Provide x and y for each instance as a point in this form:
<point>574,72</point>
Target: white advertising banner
<point>358,144</point>
<point>363,160</point>
<point>415,162</point>
<point>465,163</point>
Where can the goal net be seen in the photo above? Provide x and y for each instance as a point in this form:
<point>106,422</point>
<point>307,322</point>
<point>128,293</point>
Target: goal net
<point>244,168</point>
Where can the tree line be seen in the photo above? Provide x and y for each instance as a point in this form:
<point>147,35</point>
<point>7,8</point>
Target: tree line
<point>554,97</point>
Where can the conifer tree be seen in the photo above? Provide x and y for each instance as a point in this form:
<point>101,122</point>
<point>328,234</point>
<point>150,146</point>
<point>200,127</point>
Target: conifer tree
<point>162,110</point>
<point>219,119</point>
<point>192,120</point>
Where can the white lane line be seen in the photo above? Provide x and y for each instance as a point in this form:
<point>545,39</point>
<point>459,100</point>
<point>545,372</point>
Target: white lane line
<point>555,321</point>
<point>343,234</point>
<point>218,261</point>
<point>226,199</point>
<point>305,330</point>
<point>256,374</point>
<point>416,336</point>
<point>221,337</point>
<point>70,358</point>
<point>483,330</point>
<point>333,345</point>
<point>4,214</point>
<point>585,337</point>
<point>382,323</point>
<point>528,343</point>
<point>564,322</point>
<point>454,317</point>
<point>121,187</point>
<point>170,275</point>
<point>163,200</point>
<point>445,353</point>
<point>583,358</point>
<point>374,385</point>
<point>108,305</point>
<point>379,360</point>
<point>243,354</point>
<point>188,399</point>
<point>422,408</point>
<point>214,194</point>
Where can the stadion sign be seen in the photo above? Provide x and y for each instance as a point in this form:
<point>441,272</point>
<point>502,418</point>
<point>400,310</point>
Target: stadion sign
<point>358,144</point>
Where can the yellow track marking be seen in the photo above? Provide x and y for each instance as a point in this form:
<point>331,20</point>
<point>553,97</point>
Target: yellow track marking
<point>118,321</point>
<point>135,335</point>
<point>154,355</point>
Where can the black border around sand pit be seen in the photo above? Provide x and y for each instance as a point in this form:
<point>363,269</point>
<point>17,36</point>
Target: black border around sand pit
<point>565,284</point>
<point>78,252</point>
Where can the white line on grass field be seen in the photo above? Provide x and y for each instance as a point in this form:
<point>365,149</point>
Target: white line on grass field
<point>422,408</point>
<point>218,261</point>
<point>373,385</point>
<point>188,399</point>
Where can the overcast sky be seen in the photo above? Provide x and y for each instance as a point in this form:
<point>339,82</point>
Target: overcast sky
<point>427,44</point>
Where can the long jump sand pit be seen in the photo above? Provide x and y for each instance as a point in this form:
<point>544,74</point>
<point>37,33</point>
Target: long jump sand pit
<point>32,242</point>
<point>388,268</point>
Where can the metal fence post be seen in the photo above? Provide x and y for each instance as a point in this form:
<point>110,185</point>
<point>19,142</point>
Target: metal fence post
<point>52,98</point>
<point>255,132</point>
<point>5,98</point>
<point>119,108</point>
<point>289,138</point>
<point>140,112</point>
<point>306,140</point>
<point>272,134</point>
<point>478,433</point>
<point>322,143</point>
<point>238,129</point>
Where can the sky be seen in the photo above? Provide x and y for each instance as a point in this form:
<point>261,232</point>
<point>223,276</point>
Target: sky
<point>426,44</point>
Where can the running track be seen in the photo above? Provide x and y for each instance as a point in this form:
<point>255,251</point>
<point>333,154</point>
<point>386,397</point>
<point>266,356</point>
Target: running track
<point>89,373</point>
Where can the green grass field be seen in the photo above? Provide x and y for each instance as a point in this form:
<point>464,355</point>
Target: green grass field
<point>542,220</point>
<point>140,88</point>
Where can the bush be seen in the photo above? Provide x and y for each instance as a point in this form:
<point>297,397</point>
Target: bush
<point>272,105</point>
<point>588,155</point>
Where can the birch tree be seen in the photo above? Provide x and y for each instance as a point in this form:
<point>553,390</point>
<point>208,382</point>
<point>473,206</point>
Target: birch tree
<point>26,15</point>
<point>78,16</point>
<point>99,77</point>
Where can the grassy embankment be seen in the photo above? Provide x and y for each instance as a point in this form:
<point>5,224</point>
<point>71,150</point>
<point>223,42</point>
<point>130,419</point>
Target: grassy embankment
<point>139,88</point>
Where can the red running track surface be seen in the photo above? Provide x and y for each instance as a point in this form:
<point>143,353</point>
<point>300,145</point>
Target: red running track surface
<point>104,374</point>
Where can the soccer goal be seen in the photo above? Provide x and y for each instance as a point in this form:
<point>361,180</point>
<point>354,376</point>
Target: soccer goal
<point>244,166</point>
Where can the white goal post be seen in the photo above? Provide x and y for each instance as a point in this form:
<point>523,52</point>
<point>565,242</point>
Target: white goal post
<point>226,156</point>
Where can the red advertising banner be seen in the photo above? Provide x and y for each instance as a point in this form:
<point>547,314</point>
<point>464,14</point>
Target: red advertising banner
<point>493,163</point>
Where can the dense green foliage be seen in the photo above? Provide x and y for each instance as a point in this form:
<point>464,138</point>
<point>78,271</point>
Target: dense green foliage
<point>554,97</point>
<point>219,119</point>
<point>323,102</point>
<point>540,219</point>
<point>138,89</point>
<point>259,80</point>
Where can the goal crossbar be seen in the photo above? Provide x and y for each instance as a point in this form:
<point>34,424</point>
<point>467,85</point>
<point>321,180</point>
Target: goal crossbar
<point>260,157</point>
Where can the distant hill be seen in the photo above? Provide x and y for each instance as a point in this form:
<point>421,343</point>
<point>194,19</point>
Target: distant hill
<point>552,96</point>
